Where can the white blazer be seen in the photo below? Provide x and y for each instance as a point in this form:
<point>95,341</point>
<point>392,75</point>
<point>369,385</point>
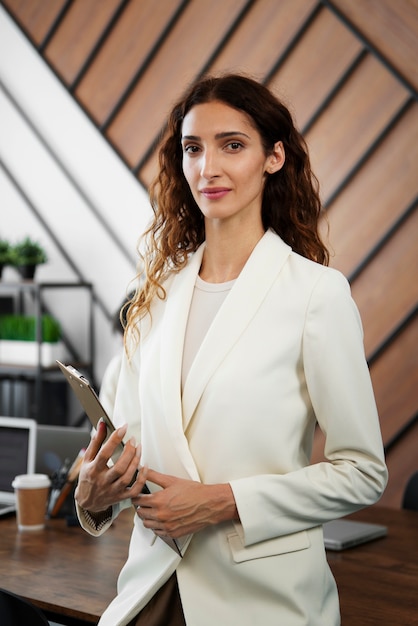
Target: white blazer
<point>285,351</point>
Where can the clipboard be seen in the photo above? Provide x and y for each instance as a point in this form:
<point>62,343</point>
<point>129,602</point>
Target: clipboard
<point>91,404</point>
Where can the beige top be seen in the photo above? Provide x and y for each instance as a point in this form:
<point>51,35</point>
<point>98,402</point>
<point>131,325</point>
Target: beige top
<point>207,300</point>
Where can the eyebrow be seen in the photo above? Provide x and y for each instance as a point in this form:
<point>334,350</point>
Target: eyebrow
<point>224,135</point>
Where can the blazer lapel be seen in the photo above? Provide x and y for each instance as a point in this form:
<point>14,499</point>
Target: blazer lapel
<point>171,356</point>
<point>242,303</point>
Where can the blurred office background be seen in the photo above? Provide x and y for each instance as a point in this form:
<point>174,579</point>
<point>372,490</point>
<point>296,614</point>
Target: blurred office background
<point>85,88</point>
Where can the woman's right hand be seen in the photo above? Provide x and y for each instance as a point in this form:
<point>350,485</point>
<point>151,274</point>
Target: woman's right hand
<point>100,486</point>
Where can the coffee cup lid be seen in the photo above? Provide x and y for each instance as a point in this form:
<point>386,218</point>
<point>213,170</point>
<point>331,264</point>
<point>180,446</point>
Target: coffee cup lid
<point>31,481</point>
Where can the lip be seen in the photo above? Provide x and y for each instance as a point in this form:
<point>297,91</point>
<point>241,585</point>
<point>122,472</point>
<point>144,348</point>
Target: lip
<point>214,193</point>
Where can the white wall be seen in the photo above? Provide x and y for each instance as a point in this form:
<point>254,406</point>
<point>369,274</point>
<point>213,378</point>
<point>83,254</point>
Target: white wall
<point>50,147</point>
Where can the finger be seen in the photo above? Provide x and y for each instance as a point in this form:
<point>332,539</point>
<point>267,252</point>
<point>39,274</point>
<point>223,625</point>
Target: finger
<point>109,448</point>
<point>163,480</point>
<point>124,469</point>
<point>139,487</point>
<point>96,441</point>
<point>148,517</point>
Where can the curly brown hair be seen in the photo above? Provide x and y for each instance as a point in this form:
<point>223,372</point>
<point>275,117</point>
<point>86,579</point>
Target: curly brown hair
<point>290,206</point>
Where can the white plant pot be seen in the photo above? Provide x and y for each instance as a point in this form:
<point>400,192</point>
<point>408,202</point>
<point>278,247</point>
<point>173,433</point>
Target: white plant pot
<point>27,353</point>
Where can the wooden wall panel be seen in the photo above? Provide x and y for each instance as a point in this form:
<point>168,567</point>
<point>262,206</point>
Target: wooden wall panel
<point>35,16</point>
<point>376,197</point>
<point>179,60</point>
<point>402,462</point>
<point>263,36</point>
<point>386,292</point>
<point>352,121</point>
<point>77,35</point>
<point>391,26</point>
<point>304,80</point>
<point>395,381</point>
<point>149,169</point>
<point>125,52</point>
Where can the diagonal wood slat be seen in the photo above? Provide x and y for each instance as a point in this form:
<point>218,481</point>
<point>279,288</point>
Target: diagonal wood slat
<point>160,85</point>
<point>395,379</point>
<point>351,122</point>
<point>304,79</point>
<point>391,27</point>
<point>36,17</point>
<point>125,52</point>
<point>384,291</point>
<point>77,35</point>
<point>366,209</point>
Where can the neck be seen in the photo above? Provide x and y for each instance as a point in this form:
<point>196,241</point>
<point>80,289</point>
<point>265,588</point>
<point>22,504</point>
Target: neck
<point>226,254</point>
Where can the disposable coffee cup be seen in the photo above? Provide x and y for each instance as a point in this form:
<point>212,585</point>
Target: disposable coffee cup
<point>31,499</point>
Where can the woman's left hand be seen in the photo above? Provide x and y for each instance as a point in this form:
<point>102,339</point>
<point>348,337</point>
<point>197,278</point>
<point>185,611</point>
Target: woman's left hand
<point>182,506</point>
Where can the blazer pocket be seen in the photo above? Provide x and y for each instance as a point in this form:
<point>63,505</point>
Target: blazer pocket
<point>271,547</point>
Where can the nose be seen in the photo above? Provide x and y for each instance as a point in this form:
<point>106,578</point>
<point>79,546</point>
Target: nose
<point>209,165</point>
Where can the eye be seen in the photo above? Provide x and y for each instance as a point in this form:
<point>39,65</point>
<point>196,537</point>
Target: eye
<point>190,149</point>
<point>234,146</point>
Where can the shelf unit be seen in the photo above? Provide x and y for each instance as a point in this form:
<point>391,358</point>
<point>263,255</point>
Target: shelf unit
<point>30,294</point>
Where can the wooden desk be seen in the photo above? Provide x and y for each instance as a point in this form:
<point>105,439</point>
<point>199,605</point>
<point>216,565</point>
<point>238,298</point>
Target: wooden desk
<point>72,576</point>
<point>378,581</point>
<point>67,573</point>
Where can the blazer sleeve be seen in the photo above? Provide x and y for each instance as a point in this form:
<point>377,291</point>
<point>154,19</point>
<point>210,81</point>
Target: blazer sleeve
<point>340,390</point>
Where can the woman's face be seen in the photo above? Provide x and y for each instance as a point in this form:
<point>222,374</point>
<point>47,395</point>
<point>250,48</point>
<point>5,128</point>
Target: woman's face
<point>224,162</point>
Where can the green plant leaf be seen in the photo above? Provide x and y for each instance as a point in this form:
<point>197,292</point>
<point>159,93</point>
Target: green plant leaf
<point>23,328</point>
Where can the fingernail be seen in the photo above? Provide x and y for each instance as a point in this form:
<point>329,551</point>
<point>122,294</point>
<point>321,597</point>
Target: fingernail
<point>122,430</point>
<point>132,441</point>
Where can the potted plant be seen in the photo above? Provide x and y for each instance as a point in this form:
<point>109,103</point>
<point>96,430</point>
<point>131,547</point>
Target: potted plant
<point>5,254</point>
<point>18,340</point>
<point>26,255</point>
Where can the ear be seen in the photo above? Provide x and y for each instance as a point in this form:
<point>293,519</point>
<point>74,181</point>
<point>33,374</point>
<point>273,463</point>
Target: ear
<point>276,159</point>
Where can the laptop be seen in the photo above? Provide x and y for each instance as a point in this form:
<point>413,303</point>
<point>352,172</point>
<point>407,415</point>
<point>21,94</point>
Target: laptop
<point>57,444</point>
<point>341,534</point>
<point>17,456</point>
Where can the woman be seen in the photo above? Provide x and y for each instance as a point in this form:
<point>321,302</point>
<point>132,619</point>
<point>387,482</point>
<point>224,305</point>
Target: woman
<point>239,343</point>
